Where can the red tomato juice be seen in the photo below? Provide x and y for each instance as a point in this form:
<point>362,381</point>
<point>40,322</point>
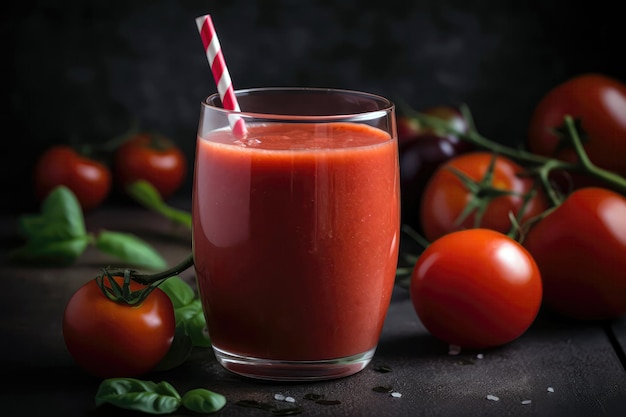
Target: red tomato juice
<point>296,237</point>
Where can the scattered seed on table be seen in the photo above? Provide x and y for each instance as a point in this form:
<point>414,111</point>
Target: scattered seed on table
<point>525,402</point>
<point>255,404</point>
<point>480,356</point>
<point>383,369</point>
<point>290,399</point>
<point>396,394</point>
<point>383,388</point>
<point>550,389</point>
<point>279,397</point>
<point>492,398</point>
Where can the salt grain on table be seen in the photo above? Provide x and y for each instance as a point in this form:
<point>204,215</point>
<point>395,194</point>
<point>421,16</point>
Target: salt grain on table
<point>492,398</point>
<point>396,394</point>
<point>550,389</point>
<point>526,402</point>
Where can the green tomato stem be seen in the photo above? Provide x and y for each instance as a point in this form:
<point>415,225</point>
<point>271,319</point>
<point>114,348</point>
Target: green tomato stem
<point>589,167</point>
<point>161,276</point>
<point>123,294</point>
<point>544,165</point>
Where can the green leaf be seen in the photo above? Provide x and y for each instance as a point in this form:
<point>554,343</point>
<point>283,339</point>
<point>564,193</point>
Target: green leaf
<point>61,216</point>
<point>148,196</point>
<point>63,206</point>
<point>186,312</point>
<point>130,249</point>
<point>29,226</point>
<point>55,236</point>
<point>178,290</point>
<point>135,394</point>
<point>203,401</point>
<point>62,252</point>
<point>196,328</point>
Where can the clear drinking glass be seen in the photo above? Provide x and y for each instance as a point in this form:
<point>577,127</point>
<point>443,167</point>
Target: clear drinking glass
<point>296,230</point>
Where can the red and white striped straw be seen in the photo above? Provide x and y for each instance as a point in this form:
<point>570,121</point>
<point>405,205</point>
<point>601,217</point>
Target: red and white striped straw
<point>220,71</point>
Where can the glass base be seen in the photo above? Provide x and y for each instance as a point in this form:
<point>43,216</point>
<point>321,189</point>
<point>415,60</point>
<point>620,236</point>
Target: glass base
<point>277,370</point>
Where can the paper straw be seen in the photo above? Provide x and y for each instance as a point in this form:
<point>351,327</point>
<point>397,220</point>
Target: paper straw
<point>220,71</point>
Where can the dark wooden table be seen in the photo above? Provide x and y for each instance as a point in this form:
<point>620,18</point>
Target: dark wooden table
<point>559,367</point>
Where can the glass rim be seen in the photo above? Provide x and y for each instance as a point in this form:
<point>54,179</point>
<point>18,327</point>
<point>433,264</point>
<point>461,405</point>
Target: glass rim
<point>386,105</point>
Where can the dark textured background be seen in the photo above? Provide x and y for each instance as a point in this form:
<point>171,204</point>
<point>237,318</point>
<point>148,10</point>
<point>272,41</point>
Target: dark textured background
<point>81,70</point>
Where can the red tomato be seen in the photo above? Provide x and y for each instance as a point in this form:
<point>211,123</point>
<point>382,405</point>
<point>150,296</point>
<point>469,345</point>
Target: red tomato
<point>599,102</point>
<point>445,196</point>
<point>88,179</point>
<point>580,249</point>
<point>111,339</point>
<point>476,288</point>
<point>152,158</point>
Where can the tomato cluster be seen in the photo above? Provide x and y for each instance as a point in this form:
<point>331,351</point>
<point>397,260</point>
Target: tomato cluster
<point>141,156</point>
<point>505,236</point>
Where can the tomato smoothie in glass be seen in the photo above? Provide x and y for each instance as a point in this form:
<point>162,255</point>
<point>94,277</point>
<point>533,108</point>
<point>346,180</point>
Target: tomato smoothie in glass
<point>296,234</point>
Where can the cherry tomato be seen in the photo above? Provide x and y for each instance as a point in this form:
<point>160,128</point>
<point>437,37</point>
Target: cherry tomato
<point>476,288</point>
<point>580,249</point>
<point>599,102</point>
<point>446,196</point>
<point>421,152</point>
<point>111,339</point>
<point>89,180</point>
<point>152,158</point>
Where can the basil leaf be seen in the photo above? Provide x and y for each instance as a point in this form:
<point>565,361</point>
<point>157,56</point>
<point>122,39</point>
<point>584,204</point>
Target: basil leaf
<point>62,252</point>
<point>187,310</point>
<point>30,225</point>
<point>62,206</point>
<point>61,218</point>
<point>135,394</point>
<point>148,196</point>
<point>178,290</point>
<point>196,328</point>
<point>129,248</point>
<point>203,401</point>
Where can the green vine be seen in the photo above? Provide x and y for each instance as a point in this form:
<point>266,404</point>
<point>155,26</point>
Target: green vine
<point>123,294</point>
<point>539,165</point>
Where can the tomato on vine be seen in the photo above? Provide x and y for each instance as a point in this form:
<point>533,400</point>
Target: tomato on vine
<point>115,328</point>
<point>580,248</point>
<point>478,189</point>
<point>88,178</point>
<point>153,158</point>
<point>598,104</point>
<point>476,288</point>
<point>422,150</point>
